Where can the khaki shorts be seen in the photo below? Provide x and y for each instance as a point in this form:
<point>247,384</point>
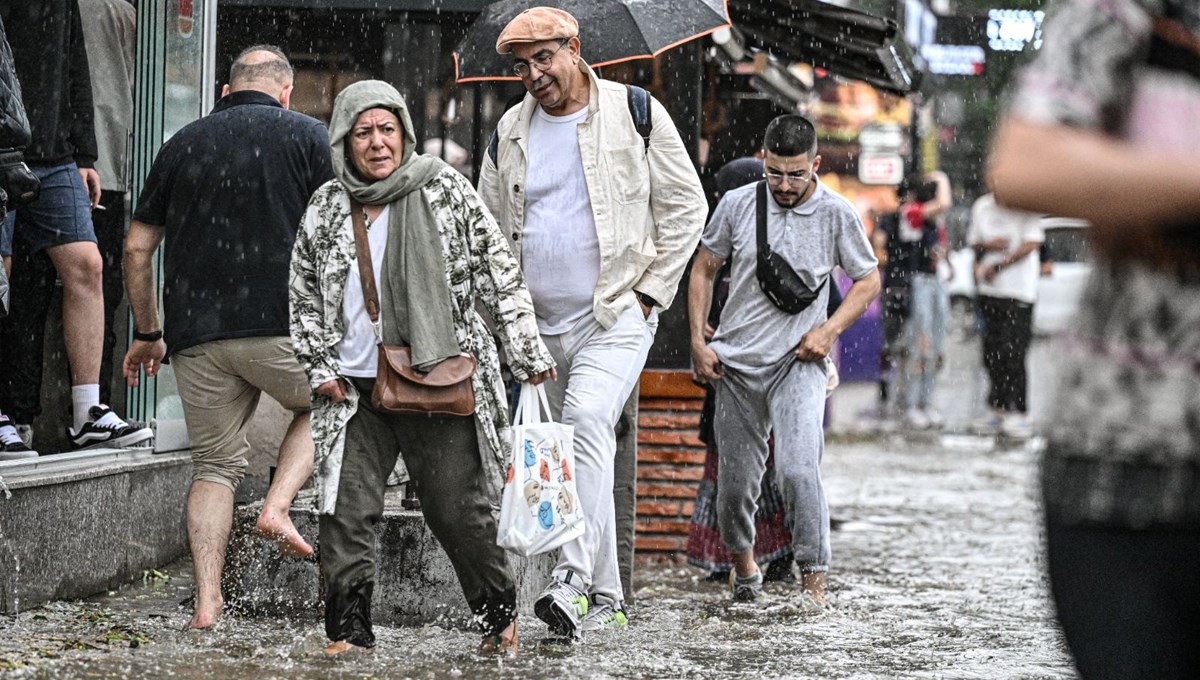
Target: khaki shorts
<point>220,383</point>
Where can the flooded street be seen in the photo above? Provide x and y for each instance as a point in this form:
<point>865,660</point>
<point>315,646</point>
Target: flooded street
<point>937,574</point>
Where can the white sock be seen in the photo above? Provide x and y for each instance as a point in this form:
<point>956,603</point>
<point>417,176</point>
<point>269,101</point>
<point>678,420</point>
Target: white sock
<point>83,398</point>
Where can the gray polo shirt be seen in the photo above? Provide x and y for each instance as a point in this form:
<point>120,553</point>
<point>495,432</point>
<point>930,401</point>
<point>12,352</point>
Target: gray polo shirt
<point>814,237</point>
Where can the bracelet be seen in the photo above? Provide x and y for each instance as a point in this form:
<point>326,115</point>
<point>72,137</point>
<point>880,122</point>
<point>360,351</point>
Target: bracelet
<point>152,336</point>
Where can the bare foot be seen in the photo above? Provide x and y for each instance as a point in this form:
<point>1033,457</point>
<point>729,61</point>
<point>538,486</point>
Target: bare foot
<point>277,526</point>
<point>206,615</point>
<point>814,585</point>
<point>341,647</point>
<point>504,644</point>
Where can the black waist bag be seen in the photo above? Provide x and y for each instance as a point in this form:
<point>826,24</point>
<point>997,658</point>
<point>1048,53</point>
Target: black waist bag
<point>781,284</point>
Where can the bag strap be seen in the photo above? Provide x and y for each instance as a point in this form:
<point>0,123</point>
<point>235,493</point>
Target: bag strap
<point>760,209</point>
<point>366,271</point>
<point>639,110</point>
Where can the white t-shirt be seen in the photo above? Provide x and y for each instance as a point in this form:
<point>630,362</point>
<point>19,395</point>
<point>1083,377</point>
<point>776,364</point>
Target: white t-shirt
<point>356,352</point>
<point>1017,281</point>
<point>560,252</point>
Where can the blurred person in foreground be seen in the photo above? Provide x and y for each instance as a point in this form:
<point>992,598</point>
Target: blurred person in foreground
<point>435,250</point>
<point>224,199</point>
<point>1103,127</point>
<point>768,357</point>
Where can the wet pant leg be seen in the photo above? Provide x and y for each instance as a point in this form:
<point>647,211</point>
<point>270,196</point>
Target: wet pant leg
<point>442,456</point>
<point>347,537</point>
<point>741,425</point>
<point>598,369</point>
<point>796,398</point>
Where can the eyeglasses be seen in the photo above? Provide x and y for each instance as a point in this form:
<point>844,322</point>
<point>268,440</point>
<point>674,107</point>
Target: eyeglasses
<point>798,177</point>
<point>541,60</point>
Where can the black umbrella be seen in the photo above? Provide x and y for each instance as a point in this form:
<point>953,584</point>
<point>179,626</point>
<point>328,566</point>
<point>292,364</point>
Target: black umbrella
<point>610,31</point>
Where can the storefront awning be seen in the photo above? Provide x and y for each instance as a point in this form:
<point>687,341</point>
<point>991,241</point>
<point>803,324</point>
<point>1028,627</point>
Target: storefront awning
<point>845,42</point>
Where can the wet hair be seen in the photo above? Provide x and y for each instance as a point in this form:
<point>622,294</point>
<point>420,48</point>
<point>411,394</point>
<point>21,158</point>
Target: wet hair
<point>791,135</point>
<point>277,70</point>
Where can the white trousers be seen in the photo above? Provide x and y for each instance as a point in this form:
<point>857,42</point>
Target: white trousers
<point>597,371</point>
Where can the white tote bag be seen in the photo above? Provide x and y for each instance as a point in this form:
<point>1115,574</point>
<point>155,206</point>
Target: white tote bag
<point>539,510</point>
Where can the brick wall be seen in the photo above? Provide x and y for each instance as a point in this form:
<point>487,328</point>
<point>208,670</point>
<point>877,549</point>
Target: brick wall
<point>670,463</point>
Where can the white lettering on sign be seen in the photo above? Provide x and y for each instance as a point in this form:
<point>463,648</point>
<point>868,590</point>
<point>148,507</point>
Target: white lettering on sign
<point>1010,30</point>
<point>880,168</point>
<point>954,60</point>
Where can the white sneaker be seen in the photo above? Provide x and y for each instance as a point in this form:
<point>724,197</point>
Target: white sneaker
<point>11,445</point>
<point>917,419</point>
<point>107,429</point>
<point>1016,426</point>
<point>563,608</point>
<point>935,419</point>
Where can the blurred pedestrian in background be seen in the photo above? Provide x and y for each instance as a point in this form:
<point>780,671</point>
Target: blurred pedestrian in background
<point>1006,244</point>
<point>916,306</point>
<point>1103,127</point>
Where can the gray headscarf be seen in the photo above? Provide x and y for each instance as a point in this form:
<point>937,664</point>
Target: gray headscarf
<point>415,299</point>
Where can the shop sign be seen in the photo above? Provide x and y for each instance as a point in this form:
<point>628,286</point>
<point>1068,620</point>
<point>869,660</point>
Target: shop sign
<point>880,168</point>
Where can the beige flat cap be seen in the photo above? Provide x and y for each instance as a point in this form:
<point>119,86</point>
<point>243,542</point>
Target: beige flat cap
<point>536,25</point>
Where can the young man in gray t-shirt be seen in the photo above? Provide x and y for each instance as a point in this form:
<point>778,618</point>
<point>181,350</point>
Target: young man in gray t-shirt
<point>768,365</point>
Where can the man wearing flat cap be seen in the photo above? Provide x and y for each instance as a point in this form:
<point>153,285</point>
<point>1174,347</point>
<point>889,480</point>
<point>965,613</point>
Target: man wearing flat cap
<point>603,221</point>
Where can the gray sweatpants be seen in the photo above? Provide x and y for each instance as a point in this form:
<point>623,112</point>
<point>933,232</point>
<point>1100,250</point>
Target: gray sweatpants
<point>788,398</point>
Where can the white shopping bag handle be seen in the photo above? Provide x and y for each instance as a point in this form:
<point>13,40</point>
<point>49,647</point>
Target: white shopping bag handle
<point>528,411</point>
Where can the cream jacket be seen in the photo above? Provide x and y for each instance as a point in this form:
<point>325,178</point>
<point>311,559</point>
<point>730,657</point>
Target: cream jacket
<point>648,206</point>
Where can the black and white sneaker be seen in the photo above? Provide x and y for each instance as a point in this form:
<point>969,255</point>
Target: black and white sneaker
<point>107,430</point>
<point>12,447</point>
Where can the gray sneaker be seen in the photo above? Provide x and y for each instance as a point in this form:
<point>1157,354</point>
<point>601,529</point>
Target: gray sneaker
<point>745,589</point>
<point>605,615</point>
<point>563,607</point>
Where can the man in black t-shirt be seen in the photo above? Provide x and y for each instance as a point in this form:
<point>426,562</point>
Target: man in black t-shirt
<point>224,197</point>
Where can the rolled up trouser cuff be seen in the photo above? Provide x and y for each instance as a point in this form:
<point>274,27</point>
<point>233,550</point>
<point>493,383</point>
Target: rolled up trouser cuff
<point>806,569</point>
<point>226,473</point>
<point>348,613</point>
<point>495,611</point>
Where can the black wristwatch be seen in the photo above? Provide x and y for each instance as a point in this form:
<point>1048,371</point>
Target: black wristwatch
<point>152,336</point>
<point>646,299</point>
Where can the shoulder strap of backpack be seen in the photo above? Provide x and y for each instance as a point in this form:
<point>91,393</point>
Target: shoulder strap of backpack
<point>639,110</point>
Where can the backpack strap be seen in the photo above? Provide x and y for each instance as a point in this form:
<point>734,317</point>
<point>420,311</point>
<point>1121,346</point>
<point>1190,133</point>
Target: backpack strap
<point>494,147</point>
<point>639,110</point>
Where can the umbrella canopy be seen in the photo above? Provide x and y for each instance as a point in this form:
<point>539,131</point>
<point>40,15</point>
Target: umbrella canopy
<point>610,31</point>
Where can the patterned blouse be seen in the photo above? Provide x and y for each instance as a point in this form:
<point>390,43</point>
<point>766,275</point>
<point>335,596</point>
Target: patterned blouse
<point>1124,426</point>
<point>479,265</point>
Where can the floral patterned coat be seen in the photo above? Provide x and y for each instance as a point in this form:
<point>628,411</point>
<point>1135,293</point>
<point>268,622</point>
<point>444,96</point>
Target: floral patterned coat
<point>479,265</point>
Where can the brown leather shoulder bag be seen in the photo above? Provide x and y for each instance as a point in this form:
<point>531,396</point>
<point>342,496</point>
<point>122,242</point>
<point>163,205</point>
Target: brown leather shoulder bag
<point>400,388</point>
